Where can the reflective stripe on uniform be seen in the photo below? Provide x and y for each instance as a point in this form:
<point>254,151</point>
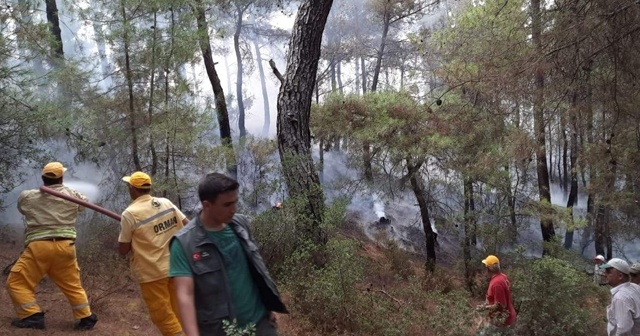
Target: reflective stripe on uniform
<point>26,305</point>
<point>51,233</point>
<point>80,306</point>
<point>159,214</point>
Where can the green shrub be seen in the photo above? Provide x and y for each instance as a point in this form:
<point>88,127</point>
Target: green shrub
<point>325,294</point>
<point>553,297</point>
<point>279,232</point>
<point>276,232</point>
<point>452,314</point>
<point>399,260</point>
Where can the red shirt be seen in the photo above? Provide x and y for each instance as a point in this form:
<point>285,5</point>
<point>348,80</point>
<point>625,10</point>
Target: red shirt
<point>500,292</point>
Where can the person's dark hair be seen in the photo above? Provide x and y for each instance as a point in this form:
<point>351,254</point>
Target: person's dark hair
<point>51,181</point>
<point>142,191</point>
<point>215,184</point>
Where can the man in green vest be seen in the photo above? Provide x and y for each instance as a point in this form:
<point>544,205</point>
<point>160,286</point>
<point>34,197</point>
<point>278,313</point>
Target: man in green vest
<point>50,236</point>
<point>218,270</point>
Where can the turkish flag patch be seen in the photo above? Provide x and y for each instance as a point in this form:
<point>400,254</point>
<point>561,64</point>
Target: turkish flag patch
<point>196,256</point>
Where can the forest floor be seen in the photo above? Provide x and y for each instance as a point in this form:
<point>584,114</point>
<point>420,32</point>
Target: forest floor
<point>114,294</point>
<point>114,297</point>
<point>119,313</point>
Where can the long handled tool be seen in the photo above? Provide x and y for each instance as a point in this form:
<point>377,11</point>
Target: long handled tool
<point>81,202</point>
<point>84,203</point>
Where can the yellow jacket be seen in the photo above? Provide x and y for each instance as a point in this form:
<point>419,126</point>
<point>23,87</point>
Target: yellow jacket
<point>48,216</point>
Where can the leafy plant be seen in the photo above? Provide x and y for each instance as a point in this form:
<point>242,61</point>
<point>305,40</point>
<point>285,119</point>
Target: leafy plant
<point>233,329</point>
<point>553,297</point>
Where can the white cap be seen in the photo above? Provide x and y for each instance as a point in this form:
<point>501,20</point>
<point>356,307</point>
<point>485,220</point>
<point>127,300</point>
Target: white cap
<point>617,263</point>
<point>635,268</point>
<point>599,257</point>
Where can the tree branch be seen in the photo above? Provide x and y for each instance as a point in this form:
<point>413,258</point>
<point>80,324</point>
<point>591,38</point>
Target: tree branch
<point>411,169</point>
<point>381,291</point>
<point>411,12</point>
<point>276,71</point>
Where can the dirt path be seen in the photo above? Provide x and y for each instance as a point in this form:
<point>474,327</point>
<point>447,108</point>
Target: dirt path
<point>120,313</point>
<point>113,294</point>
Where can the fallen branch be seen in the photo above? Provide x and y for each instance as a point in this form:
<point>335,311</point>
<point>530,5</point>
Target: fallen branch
<point>381,291</point>
<point>276,71</point>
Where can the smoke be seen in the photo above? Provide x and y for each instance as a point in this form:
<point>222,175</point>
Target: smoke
<point>84,177</point>
<point>378,205</point>
<point>89,190</point>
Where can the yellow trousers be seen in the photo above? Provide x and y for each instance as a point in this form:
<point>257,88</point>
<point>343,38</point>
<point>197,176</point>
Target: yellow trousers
<point>57,259</point>
<point>162,303</point>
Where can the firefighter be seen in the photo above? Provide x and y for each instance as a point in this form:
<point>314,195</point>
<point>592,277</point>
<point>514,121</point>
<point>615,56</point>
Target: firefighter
<point>50,235</point>
<point>146,227</point>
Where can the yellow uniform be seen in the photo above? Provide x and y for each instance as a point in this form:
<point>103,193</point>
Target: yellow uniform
<point>148,225</point>
<point>49,250</point>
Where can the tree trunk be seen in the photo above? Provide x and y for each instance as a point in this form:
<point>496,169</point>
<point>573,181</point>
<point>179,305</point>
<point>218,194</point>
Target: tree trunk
<point>294,109</point>
<point>152,148</point>
<point>601,231</point>
<point>610,180</point>
<point>470,209</point>
<point>167,65</point>
<point>419,191</point>
<point>56,54</point>
<point>366,159</point>
<point>386,78</point>
<point>218,92</point>
<point>517,113</point>
<point>511,202</point>
<point>339,77</point>
<point>265,96</point>
<point>546,223</point>
<point>588,117</point>
<point>469,232</point>
<point>236,46</point>
<point>332,72</point>
<point>603,241</point>
<point>53,18</point>
<point>573,193</point>
<point>129,78</point>
<point>383,42</point>
<point>512,193</point>
<point>550,162</point>
<point>336,85</point>
<point>363,71</point>
<point>590,229</point>
<point>357,65</point>
<point>565,174</point>
<point>321,160</point>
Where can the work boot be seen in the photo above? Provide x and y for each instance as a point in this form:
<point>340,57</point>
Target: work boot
<point>87,323</point>
<point>35,321</point>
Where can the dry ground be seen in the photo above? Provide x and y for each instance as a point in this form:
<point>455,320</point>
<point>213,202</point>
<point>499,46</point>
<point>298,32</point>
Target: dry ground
<point>119,306</point>
<point>121,313</point>
<point>115,297</point>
